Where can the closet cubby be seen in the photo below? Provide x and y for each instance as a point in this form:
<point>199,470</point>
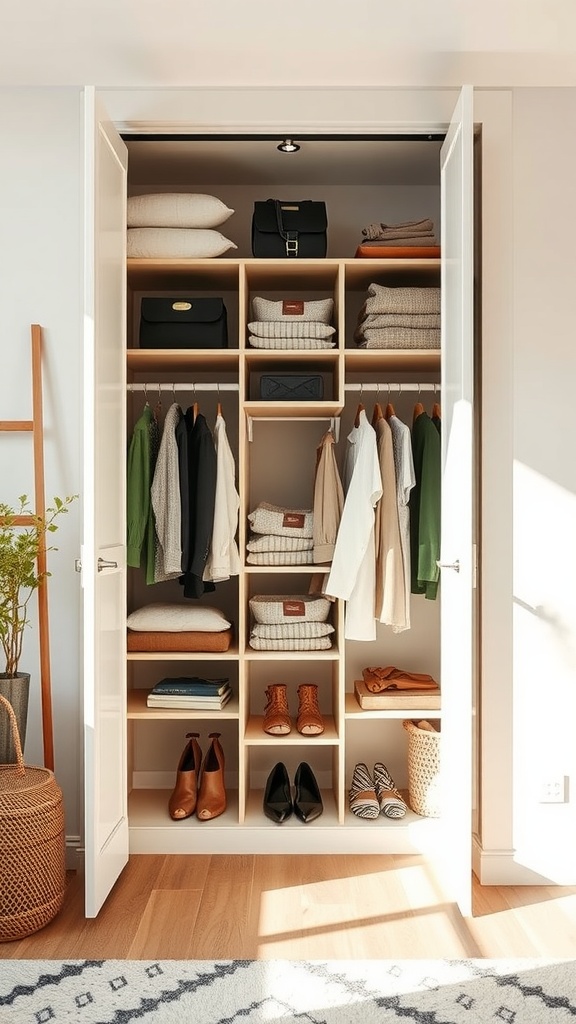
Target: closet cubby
<point>274,445</point>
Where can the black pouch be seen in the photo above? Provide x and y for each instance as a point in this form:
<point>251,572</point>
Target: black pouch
<point>183,323</point>
<point>294,229</point>
<point>291,387</point>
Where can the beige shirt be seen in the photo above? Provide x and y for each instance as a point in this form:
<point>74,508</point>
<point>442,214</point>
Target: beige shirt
<point>390,583</point>
<point>328,500</point>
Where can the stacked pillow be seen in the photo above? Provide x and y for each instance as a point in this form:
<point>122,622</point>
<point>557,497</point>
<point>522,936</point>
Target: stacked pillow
<point>280,536</point>
<point>290,622</point>
<point>164,626</point>
<point>181,225</point>
<point>292,324</point>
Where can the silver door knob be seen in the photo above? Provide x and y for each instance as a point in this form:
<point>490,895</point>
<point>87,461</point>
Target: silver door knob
<point>449,565</point>
<point>103,564</point>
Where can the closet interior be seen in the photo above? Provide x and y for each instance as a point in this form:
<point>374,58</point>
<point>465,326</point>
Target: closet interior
<point>274,445</point>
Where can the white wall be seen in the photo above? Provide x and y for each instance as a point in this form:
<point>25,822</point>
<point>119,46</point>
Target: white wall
<point>41,282</point>
<point>544,478</point>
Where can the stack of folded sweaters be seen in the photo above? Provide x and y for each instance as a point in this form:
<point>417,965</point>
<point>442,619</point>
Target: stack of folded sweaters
<point>399,318</point>
<point>418,233</point>
<point>291,622</point>
<point>292,324</point>
<point>280,536</point>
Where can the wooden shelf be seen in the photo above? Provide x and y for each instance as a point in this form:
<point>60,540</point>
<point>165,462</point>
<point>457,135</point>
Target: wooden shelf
<point>138,709</point>
<point>255,736</point>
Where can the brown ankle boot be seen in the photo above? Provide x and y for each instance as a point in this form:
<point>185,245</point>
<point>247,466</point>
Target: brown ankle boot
<point>212,794</point>
<point>309,721</point>
<point>276,714</point>
<point>182,802</point>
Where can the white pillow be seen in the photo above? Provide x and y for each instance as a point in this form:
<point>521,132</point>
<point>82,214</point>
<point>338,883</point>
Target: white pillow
<point>177,210</point>
<point>177,618</point>
<point>173,243</point>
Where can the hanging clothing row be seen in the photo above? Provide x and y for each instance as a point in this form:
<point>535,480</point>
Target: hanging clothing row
<point>388,538</point>
<point>182,501</point>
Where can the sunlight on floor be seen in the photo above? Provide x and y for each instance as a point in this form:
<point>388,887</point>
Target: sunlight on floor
<point>364,915</point>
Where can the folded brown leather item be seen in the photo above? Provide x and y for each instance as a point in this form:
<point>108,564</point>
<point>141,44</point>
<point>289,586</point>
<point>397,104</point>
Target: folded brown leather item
<point>378,680</point>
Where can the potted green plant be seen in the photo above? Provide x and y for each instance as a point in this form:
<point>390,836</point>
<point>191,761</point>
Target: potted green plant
<point>20,576</point>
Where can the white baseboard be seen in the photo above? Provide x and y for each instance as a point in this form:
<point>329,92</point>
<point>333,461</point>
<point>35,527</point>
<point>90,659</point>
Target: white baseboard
<point>511,867</point>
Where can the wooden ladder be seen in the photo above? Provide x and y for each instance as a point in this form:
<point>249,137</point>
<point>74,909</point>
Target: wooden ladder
<point>35,426</point>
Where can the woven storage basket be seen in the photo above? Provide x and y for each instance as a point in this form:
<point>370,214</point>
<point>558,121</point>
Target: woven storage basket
<point>423,770</point>
<point>32,854</point>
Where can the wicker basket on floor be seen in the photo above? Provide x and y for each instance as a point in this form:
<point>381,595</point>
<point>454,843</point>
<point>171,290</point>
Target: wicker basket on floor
<point>32,847</point>
<point>423,770</point>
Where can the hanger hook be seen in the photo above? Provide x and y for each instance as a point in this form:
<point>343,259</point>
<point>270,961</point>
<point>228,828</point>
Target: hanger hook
<point>159,395</point>
<point>173,391</point>
<point>146,392</point>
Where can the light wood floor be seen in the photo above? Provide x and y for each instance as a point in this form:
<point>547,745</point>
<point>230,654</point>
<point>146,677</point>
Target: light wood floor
<point>296,907</point>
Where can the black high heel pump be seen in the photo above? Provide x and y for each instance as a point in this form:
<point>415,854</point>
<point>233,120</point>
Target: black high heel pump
<point>278,795</point>
<point>307,801</point>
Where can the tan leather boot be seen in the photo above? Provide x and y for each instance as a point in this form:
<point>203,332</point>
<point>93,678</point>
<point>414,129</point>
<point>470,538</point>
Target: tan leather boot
<point>276,714</point>
<point>309,721</point>
<point>182,802</point>
<point>212,794</point>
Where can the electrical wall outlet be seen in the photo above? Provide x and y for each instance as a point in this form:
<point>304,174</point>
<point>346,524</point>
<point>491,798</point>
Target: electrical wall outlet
<point>553,790</point>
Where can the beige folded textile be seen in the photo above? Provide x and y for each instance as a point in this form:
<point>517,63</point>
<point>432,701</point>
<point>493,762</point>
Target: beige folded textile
<point>321,643</point>
<point>398,337</point>
<point>289,344</point>
<point>272,542</point>
<point>280,557</point>
<point>407,227</point>
<point>274,519</point>
<point>292,630</point>
<point>384,299</point>
<point>299,329</point>
<point>367,321</point>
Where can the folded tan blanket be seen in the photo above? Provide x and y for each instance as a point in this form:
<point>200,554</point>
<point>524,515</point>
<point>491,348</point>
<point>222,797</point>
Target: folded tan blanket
<point>371,320</point>
<point>383,299</point>
<point>406,228</point>
<point>402,240</point>
<point>398,337</point>
<point>378,680</point>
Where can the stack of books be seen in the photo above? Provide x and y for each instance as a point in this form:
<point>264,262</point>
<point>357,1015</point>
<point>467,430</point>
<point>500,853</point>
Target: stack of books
<point>190,692</point>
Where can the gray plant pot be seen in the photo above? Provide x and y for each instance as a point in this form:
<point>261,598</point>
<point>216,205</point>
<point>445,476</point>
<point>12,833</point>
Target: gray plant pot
<point>16,690</point>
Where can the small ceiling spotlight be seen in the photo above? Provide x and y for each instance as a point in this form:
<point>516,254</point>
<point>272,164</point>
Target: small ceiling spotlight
<point>288,146</point>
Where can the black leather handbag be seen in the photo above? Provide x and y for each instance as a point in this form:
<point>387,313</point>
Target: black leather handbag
<point>283,229</point>
<point>291,387</point>
<point>183,323</point>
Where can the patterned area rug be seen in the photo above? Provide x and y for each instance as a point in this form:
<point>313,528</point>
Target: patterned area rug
<point>311,992</point>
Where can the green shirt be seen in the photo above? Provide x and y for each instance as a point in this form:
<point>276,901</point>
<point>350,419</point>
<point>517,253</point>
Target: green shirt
<point>138,488</point>
<point>425,508</point>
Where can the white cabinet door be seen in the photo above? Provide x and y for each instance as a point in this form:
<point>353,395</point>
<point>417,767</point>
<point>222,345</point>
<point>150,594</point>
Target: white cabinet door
<point>103,550</point>
<point>457,546</point>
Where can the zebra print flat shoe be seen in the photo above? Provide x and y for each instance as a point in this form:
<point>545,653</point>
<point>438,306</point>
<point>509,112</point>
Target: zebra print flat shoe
<point>363,799</point>
<point>391,803</point>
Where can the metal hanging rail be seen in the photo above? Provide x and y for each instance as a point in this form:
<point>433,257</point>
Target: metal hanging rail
<point>333,420</point>
<point>384,388</point>
<point>201,386</point>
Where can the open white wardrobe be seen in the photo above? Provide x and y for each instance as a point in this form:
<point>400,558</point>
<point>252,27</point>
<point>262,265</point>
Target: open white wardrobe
<point>132,750</point>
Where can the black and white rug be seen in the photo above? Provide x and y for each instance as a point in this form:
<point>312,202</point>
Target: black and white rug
<point>278,991</point>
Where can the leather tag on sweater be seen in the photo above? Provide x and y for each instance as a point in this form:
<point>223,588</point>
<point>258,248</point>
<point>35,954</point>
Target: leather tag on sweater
<point>293,307</point>
<point>294,519</point>
<point>293,608</point>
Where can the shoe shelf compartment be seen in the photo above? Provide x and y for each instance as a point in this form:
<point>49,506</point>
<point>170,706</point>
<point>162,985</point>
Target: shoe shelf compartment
<point>254,735</point>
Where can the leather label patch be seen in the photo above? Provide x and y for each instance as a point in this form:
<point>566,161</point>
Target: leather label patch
<point>293,607</point>
<point>295,519</point>
<point>293,307</point>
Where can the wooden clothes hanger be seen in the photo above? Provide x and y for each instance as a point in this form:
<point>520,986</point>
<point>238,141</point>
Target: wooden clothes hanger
<point>436,411</point>
<point>357,416</point>
<point>418,409</point>
<point>377,414</point>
